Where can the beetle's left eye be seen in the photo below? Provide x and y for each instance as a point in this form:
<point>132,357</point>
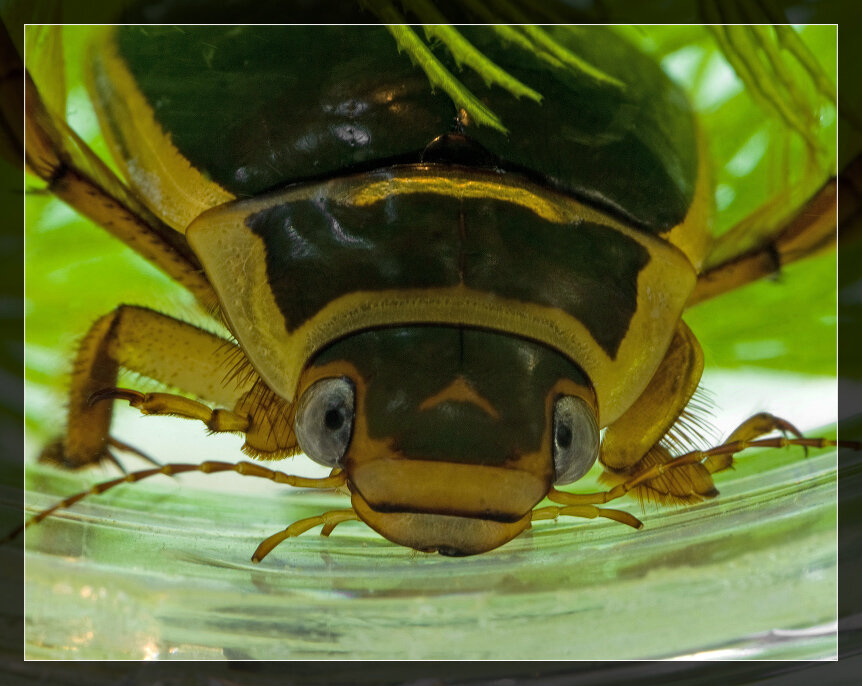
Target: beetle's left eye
<point>576,439</point>
<point>324,420</point>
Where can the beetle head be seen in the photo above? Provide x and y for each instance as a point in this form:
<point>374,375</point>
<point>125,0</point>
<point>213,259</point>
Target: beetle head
<point>449,436</point>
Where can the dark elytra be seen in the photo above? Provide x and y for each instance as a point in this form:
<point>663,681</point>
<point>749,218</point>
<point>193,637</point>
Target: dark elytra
<point>287,104</point>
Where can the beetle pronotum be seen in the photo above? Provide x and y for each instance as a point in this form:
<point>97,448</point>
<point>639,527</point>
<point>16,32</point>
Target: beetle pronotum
<point>363,261</point>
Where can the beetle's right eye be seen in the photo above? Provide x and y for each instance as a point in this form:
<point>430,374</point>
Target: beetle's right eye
<point>324,420</point>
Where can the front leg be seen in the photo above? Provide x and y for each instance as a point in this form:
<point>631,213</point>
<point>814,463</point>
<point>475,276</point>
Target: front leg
<point>712,460</point>
<point>154,345</point>
<point>637,440</point>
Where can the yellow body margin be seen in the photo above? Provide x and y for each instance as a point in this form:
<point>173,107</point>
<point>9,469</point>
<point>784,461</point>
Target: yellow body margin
<point>694,235</point>
<point>171,187</point>
<point>234,259</point>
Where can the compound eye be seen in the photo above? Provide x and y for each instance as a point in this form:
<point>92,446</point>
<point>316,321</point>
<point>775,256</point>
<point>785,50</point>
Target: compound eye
<point>576,439</point>
<point>324,420</point>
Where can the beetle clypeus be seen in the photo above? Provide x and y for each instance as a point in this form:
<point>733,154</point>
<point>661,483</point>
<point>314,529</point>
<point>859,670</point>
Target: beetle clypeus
<point>363,239</point>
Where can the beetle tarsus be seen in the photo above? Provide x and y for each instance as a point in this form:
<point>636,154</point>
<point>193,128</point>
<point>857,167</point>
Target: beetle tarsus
<point>218,420</point>
<point>761,424</point>
<point>702,457</point>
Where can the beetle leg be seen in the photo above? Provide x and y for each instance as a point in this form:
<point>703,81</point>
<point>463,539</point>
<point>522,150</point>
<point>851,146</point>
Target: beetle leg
<point>811,230</point>
<point>687,482</point>
<point>334,480</point>
<point>76,175</point>
<point>660,405</point>
<point>265,419</point>
<point>148,343</point>
<point>329,520</point>
<point>587,511</point>
<point>217,421</point>
<point>632,443</point>
<point>692,482</point>
<point>695,457</point>
<point>125,447</point>
<point>754,427</point>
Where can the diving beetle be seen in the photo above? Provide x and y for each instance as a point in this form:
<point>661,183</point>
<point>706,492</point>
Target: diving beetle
<point>455,313</point>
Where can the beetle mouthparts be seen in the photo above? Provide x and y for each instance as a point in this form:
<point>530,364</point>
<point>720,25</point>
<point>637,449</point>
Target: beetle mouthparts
<point>448,535</point>
<point>486,492</point>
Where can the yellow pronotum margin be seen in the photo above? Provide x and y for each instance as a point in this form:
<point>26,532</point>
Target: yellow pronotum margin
<point>172,188</point>
<point>235,258</point>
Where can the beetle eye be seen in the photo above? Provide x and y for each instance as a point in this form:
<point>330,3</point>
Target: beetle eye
<point>324,420</point>
<point>576,439</point>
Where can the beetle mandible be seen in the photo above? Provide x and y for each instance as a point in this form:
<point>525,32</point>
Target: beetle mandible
<point>363,239</point>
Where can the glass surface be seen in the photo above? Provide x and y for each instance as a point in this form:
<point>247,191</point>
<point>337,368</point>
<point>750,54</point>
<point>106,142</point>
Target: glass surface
<point>162,570</point>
